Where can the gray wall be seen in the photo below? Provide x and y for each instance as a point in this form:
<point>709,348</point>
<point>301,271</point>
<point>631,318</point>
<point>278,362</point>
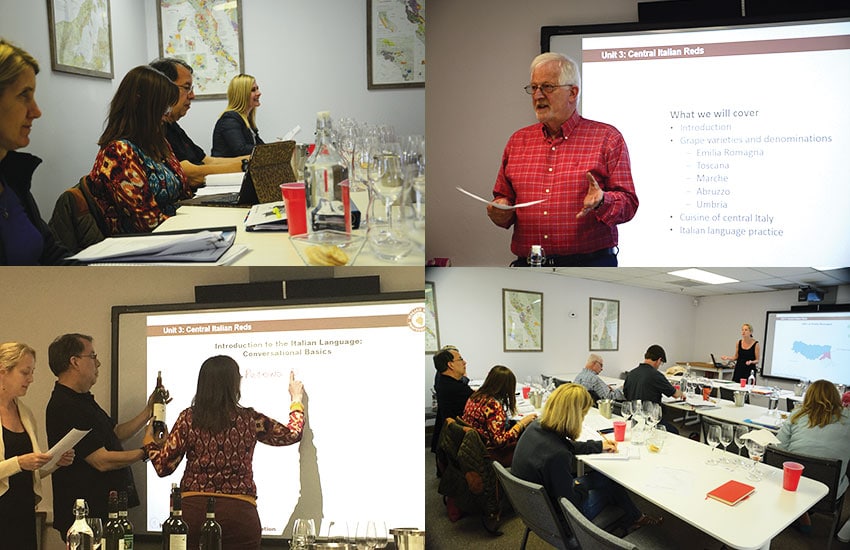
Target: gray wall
<point>479,53</point>
<point>307,55</point>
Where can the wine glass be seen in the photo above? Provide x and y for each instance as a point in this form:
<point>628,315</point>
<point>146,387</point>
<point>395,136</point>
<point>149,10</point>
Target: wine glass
<point>388,242</point>
<point>381,534</point>
<point>727,434</point>
<point>303,533</point>
<point>96,525</point>
<point>756,451</point>
<point>365,535</point>
<point>626,410</point>
<point>346,140</point>
<point>337,532</point>
<point>740,431</point>
<point>712,437</point>
<point>652,412</point>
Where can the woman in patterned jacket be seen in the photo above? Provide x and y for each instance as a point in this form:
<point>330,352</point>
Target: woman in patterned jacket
<point>217,436</point>
<point>487,411</point>
<point>136,180</point>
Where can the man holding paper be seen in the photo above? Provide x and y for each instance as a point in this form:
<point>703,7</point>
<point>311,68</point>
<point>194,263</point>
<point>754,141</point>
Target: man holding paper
<point>579,166</point>
<point>101,463</point>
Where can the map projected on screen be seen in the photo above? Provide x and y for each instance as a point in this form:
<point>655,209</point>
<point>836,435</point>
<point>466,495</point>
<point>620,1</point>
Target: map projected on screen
<point>808,346</point>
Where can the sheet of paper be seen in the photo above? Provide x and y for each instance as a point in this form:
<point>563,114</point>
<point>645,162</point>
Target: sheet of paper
<point>497,205</point>
<point>670,479</point>
<point>229,179</point>
<point>64,445</point>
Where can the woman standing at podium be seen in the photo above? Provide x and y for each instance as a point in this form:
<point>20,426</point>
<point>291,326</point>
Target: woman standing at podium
<point>746,354</point>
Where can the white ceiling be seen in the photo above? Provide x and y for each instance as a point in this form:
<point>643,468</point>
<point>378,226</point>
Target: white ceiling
<point>752,279</point>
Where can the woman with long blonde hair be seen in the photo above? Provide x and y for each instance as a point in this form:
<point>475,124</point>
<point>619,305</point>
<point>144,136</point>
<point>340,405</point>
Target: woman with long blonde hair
<point>235,132</point>
<point>819,427</point>
<point>546,451</point>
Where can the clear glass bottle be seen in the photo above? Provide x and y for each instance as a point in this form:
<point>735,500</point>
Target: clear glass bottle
<point>751,380</point>
<point>536,256</point>
<point>324,171</point>
<point>80,536</point>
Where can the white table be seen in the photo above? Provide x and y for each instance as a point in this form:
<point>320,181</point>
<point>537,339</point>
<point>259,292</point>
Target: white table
<point>726,411</point>
<point>677,481</point>
<point>570,376</point>
<point>268,248</point>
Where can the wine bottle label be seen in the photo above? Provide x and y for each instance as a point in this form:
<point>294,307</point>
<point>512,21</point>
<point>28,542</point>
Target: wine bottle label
<point>159,412</point>
<point>177,542</point>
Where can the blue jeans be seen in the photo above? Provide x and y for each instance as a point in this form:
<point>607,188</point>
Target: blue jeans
<point>602,491</point>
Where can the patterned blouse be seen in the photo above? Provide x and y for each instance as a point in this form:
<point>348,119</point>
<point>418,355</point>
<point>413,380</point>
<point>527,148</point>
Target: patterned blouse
<point>133,191</point>
<point>488,418</point>
<point>223,462</point>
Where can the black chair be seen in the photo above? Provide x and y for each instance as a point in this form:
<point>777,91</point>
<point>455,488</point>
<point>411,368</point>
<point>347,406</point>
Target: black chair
<point>729,394</point>
<point>533,506</point>
<point>791,403</point>
<point>826,470</point>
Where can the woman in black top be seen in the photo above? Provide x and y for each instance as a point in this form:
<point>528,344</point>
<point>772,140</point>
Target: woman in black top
<point>746,354</point>
<point>236,133</point>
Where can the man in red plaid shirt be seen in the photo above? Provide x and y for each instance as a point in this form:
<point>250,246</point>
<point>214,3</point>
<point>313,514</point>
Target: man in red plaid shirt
<point>579,167</point>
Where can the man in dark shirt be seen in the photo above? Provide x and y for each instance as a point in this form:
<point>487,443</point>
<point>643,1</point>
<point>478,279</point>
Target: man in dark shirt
<point>644,382</point>
<point>101,464</point>
<point>451,387</point>
<point>195,162</point>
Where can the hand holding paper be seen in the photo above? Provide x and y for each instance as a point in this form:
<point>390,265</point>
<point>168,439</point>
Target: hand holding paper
<point>64,445</point>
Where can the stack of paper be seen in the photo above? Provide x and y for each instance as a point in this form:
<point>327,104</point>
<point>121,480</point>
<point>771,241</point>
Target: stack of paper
<point>198,246</point>
<point>267,216</point>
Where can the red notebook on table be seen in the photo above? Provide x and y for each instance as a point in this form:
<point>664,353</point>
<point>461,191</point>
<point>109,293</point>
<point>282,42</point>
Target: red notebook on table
<point>732,492</point>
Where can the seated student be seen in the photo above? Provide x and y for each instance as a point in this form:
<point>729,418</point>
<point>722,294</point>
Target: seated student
<point>546,451</point>
<point>196,164</point>
<point>136,180</point>
<point>819,427</point>
<point>24,237</point>
<point>486,412</point>
<point>589,378</point>
<point>644,382</point>
<point>235,132</point>
<point>451,387</point>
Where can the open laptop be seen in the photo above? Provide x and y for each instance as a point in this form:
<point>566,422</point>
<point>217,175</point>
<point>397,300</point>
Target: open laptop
<point>269,166</point>
<point>715,363</point>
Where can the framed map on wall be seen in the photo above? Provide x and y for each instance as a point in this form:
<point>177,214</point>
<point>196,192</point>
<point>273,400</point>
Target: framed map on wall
<point>432,330</point>
<point>207,36</point>
<point>395,36</point>
<point>522,320</point>
<point>604,324</point>
<point>80,37</point>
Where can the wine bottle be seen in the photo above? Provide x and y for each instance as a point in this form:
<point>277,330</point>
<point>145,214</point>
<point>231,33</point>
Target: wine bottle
<point>80,536</point>
<point>114,529</point>
<point>211,529</point>
<point>160,396</point>
<point>125,521</point>
<point>174,530</point>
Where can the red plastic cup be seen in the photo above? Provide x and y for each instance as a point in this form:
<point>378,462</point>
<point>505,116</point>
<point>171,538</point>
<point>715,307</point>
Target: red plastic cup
<point>743,382</point>
<point>295,203</point>
<point>791,472</point>
<point>619,430</point>
<point>525,391</point>
<point>706,391</point>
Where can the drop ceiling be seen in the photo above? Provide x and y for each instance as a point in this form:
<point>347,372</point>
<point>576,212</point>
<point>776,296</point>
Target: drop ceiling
<point>752,279</point>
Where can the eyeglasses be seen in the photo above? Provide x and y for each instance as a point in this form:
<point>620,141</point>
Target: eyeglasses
<point>91,355</point>
<point>545,88</point>
<point>187,88</point>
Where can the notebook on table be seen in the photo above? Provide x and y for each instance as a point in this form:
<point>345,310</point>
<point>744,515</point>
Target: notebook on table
<point>269,166</point>
<point>732,492</point>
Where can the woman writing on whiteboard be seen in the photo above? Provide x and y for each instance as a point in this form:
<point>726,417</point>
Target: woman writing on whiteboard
<point>746,354</point>
<point>21,458</point>
<point>217,421</point>
<point>235,132</point>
